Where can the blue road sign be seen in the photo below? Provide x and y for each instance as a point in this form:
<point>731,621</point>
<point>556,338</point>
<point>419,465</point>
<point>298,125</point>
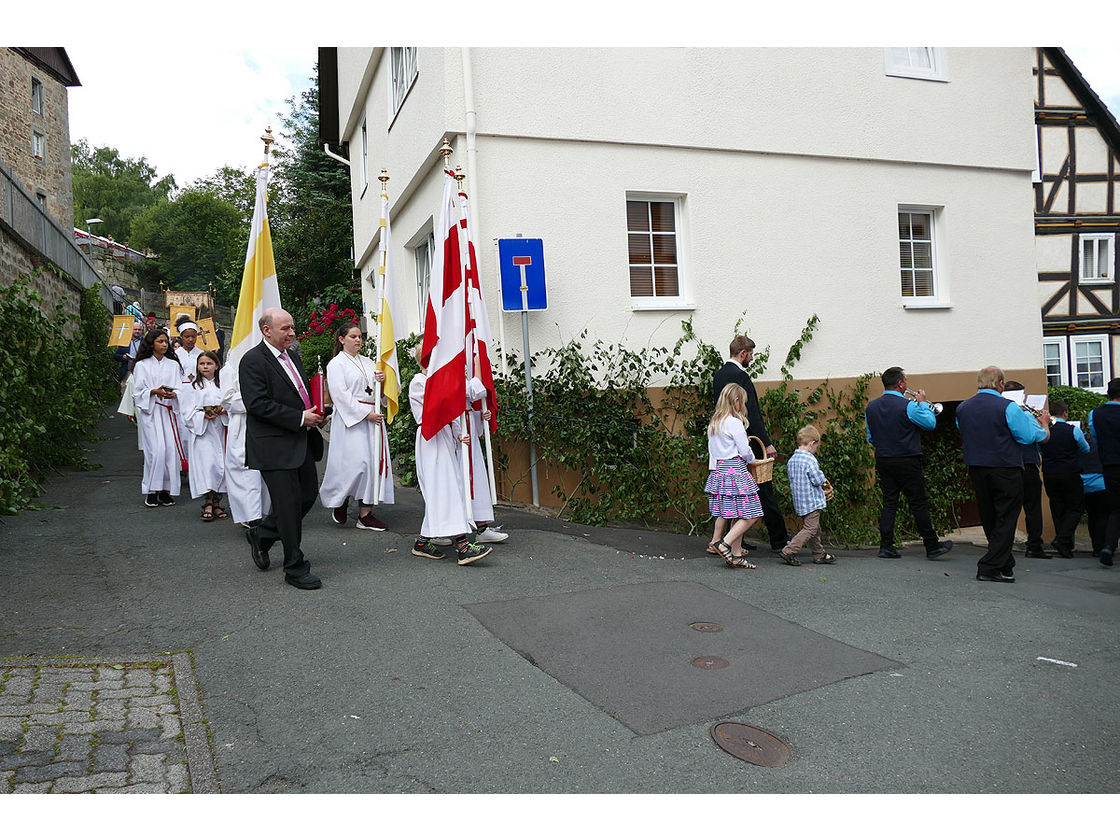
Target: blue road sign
<point>521,264</point>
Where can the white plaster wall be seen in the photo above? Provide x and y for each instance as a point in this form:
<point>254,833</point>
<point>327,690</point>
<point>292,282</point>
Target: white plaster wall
<point>1052,252</point>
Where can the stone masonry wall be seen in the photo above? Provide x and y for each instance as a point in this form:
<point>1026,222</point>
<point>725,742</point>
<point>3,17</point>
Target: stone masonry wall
<point>16,260</point>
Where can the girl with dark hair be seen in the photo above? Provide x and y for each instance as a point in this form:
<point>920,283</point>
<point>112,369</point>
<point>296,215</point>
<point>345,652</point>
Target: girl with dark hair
<point>357,424</point>
<point>156,378</point>
<point>206,422</point>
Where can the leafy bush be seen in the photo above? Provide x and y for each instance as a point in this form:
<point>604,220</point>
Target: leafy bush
<point>1080,401</point>
<point>51,390</point>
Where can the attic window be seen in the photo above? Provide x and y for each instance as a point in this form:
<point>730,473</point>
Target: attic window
<point>36,96</point>
<point>916,63</point>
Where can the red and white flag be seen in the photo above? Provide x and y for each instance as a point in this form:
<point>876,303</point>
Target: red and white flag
<point>444,350</point>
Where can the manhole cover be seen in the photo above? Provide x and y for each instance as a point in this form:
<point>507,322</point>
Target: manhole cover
<point>706,627</point>
<point>750,744</point>
<point>709,663</point>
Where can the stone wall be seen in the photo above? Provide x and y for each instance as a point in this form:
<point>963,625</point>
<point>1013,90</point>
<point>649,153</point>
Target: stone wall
<point>55,287</point>
<point>50,176</point>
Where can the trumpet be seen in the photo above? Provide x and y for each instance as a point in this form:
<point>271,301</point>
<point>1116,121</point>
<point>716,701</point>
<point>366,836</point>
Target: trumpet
<point>1037,412</point>
<point>936,407</point>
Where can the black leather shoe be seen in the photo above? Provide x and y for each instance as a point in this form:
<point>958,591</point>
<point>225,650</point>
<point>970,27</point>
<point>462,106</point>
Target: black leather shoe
<point>998,577</point>
<point>1037,553</point>
<point>889,554</point>
<point>749,546</point>
<point>1105,557</point>
<point>1062,550</point>
<point>307,581</point>
<point>260,556</point>
<point>944,547</point>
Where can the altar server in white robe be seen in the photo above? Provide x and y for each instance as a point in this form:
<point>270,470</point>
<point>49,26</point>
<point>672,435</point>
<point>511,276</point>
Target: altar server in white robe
<point>188,353</point>
<point>441,484</point>
<point>482,503</point>
<point>248,497</point>
<point>201,408</point>
<point>157,378</point>
<point>356,425</point>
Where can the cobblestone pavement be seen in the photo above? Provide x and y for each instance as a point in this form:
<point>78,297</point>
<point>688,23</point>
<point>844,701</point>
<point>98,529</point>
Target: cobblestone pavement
<point>75,726</point>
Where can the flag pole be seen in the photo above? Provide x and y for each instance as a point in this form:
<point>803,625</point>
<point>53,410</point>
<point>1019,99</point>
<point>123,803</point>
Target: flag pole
<point>468,360</point>
<point>380,281</point>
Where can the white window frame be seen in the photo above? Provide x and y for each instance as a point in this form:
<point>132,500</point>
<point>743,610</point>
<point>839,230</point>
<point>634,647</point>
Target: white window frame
<point>681,299</point>
<point>1063,359</point>
<point>363,170</point>
<point>36,96</point>
<point>38,145</point>
<point>403,70</point>
<point>1092,241</point>
<point>424,250</point>
<point>910,65</point>
<point>1106,360</point>
<point>940,297</point>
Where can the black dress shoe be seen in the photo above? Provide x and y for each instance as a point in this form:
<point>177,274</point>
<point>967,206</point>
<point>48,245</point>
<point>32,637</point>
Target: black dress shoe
<point>943,547</point>
<point>1105,557</point>
<point>260,556</point>
<point>889,554</point>
<point>749,546</point>
<point>307,581</point>
<point>1062,550</point>
<point>998,577</point>
<point>1037,553</point>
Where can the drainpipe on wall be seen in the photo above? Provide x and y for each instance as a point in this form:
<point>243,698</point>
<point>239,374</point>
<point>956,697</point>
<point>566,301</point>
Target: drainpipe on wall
<point>327,151</point>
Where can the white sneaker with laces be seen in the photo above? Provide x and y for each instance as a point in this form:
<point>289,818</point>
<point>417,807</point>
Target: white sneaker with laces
<point>490,534</point>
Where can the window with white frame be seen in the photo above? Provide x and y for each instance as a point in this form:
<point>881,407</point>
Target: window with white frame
<point>423,257</point>
<point>36,96</point>
<point>41,197</point>
<point>362,168</point>
<point>1098,257</point>
<point>38,145</point>
<point>1054,362</point>
<point>917,254</point>
<point>653,243</point>
<point>1091,363</point>
<point>403,63</point>
<point>916,63</point>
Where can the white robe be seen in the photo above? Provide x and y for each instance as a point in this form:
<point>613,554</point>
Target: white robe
<point>128,409</point>
<point>159,421</point>
<point>482,503</point>
<point>439,472</point>
<point>248,497</point>
<point>208,447</point>
<point>351,471</point>
<point>189,361</point>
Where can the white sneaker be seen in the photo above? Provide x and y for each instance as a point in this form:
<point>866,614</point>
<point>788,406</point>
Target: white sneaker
<point>441,541</point>
<point>490,534</point>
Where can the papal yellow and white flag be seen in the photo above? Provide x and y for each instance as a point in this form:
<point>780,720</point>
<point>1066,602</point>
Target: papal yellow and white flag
<point>259,290</point>
<point>391,310</point>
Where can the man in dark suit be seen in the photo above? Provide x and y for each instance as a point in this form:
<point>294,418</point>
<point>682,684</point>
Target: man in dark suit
<point>741,352</point>
<point>282,441</point>
<point>126,355</point>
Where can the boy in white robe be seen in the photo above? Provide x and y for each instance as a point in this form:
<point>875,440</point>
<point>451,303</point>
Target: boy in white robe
<point>155,384</point>
<point>187,354</point>
<point>482,503</point>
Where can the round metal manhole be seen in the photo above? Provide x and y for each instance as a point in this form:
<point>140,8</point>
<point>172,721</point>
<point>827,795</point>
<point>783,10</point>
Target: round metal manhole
<point>706,627</point>
<point>709,663</point>
<point>748,743</point>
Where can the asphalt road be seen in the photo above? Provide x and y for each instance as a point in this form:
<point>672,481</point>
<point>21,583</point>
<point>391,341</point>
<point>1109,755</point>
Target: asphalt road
<point>384,681</point>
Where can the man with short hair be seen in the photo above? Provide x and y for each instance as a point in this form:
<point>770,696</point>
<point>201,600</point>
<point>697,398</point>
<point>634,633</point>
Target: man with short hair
<point>1061,472</point>
<point>992,430</point>
<point>1104,427</point>
<point>894,426</point>
<point>282,440</point>
<point>735,370</point>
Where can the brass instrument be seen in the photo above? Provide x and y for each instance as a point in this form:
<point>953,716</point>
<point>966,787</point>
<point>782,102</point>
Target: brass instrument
<point>937,408</point>
<point>1037,412</point>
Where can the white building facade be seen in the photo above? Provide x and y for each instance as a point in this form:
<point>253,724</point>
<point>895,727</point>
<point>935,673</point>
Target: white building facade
<point>886,190</point>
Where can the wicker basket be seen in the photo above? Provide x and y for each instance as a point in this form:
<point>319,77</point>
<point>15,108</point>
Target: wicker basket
<point>763,468</point>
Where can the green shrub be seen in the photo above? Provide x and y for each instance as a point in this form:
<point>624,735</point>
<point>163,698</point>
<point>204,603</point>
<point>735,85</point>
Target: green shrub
<point>1080,401</point>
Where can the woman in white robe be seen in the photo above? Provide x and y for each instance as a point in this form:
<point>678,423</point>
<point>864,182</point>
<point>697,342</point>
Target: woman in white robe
<point>206,420</point>
<point>157,377</point>
<point>359,443</point>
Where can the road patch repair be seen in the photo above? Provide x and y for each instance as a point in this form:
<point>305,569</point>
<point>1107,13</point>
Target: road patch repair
<point>656,656</point>
<point>103,726</point>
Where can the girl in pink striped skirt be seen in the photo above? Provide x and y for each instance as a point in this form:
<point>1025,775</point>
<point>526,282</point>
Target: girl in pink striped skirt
<point>732,491</point>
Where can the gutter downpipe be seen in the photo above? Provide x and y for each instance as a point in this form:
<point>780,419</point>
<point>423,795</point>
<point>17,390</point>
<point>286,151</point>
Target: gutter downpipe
<point>327,151</point>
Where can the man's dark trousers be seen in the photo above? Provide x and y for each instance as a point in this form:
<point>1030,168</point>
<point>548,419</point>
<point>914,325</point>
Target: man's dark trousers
<point>772,517</point>
<point>293,494</point>
<point>999,495</point>
<point>1066,492</point>
<point>903,474</point>
<point>1112,489</point>
<point>1032,505</point>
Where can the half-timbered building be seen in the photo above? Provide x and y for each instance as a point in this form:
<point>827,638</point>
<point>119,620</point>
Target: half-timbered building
<point>1077,219</point>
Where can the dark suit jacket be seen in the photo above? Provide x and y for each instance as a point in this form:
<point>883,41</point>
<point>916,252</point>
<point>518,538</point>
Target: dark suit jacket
<point>275,437</point>
<point>731,372</point>
<point>119,356</point>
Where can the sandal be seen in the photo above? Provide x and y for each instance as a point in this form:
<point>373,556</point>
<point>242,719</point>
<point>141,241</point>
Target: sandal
<point>740,562</point>
<point>207,512</point>
<point>724,551</point>
<point>790,561</point>
<point>825,560</point>
<point>711,549</point>
<point>221,514</point>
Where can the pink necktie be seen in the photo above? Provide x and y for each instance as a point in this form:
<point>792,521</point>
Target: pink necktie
<point>296,379</point>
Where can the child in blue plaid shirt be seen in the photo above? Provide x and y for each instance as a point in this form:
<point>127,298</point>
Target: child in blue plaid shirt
<point>806,484</point>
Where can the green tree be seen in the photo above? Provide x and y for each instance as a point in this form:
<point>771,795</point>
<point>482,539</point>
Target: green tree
<point>312,229</point>
<point>114,189</point>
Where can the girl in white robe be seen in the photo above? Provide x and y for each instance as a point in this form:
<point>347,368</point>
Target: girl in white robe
<point>207,421</point>
<point>359,443</point>
<point>482,502</point>
<point>188,358</point>
<point>157,378</point>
